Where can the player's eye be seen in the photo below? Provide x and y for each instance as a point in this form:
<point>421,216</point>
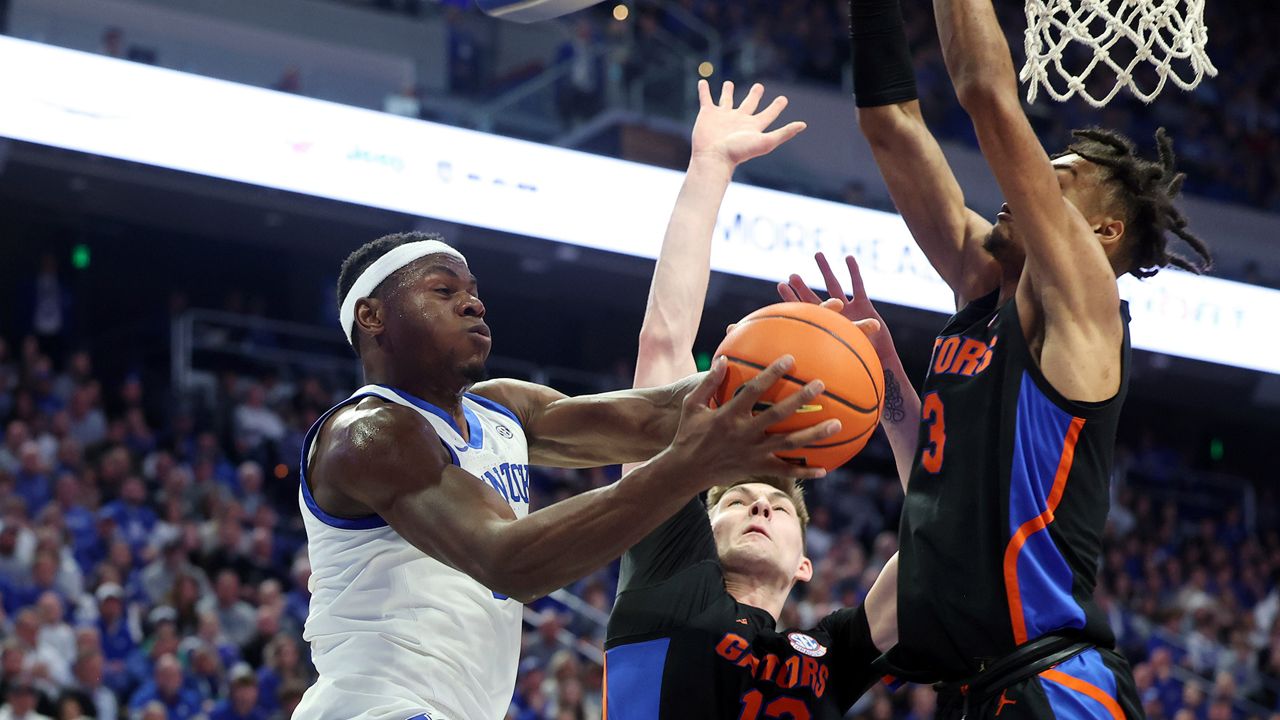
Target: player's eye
<point>444,290</point>
<point>734,502</point>
<point>781,508</point>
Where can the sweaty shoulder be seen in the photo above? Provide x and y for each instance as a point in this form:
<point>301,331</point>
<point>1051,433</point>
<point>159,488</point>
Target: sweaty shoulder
<point>370,438</point>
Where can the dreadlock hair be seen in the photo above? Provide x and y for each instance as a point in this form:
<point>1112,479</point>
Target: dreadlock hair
<point>366,255</point>
<point>1147,190</point>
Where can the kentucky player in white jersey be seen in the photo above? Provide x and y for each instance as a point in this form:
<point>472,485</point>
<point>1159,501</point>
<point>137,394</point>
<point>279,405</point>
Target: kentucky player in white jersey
<point>415,491</point>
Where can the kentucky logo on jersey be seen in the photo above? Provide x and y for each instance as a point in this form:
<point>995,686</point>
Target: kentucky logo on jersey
<point>806,645</point>
<point>511,480</point>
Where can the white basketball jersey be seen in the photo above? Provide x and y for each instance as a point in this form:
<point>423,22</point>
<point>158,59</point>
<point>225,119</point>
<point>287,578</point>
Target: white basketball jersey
<point>395,633</point>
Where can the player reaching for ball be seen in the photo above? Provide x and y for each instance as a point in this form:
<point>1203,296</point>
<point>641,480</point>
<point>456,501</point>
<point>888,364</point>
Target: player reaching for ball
<point>693,632</point>
<point>415,493</point>
<point>1000,534</point>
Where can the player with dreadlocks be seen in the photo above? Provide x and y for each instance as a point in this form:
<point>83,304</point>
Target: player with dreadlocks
<point>1000,532</point>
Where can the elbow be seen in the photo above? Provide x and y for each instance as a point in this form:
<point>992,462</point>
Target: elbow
<point>982,95</point>
<point>658,342</point>
<point>887,126</point>
<point>507,573</point>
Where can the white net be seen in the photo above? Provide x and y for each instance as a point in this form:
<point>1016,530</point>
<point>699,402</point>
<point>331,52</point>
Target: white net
<point>1124,35</point>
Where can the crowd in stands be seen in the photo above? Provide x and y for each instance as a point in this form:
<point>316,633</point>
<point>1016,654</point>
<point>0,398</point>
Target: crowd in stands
<point>1227,131</point>
<point>153,564</point>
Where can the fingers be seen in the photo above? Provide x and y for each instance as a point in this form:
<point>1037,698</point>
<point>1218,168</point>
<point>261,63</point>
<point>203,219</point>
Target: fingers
<point>701,395</point>
<point>752,101</point>
<point>869,327</point>
<point>808,436</point>
<point>803,291</point>
<point>784,134</point>
<point>750,392</point>
<point>855,276</point>
<point>786,293</point>
<point>771,113</point>
<point>704,93</point>
<point>829,277</point>
<point>726,95</point>
<point>788,406</point>
<point>835,304</point>
<point>730,328</point>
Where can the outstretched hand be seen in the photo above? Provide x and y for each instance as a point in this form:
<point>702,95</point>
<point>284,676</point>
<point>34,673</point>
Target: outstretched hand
<point>732,441</point>
<point>857,308</point>
<point>736,135</point>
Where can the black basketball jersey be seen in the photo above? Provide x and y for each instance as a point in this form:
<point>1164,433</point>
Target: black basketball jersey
<point>680,647</point>
<point>1001,529</point>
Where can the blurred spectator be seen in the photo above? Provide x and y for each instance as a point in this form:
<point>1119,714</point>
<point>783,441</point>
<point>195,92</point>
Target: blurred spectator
<point>255,423</point>
<point>235,616</point>
<point>580,95</point>
<point>20,701</point>
<point>168,687</point>
<point>243,701</point>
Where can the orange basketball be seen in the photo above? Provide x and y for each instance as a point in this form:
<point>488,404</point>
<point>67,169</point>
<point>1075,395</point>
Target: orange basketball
<point>826,347</point>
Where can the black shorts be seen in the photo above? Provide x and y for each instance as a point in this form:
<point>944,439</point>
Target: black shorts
<point>1094,685</point>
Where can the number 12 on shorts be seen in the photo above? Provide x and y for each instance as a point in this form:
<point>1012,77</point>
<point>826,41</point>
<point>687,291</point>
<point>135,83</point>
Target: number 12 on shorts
<point>783,708</point>
<point>931,414</point>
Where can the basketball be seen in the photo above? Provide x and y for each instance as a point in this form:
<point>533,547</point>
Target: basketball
<point>826,347</point>
<point>528,11</point>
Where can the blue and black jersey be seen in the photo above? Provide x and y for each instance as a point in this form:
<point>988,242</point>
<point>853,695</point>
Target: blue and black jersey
<point>1002,525</point>
<point>681,647</point>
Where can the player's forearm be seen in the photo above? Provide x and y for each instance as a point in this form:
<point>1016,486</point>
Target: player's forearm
<point>882,606</point>
<point>679,287</point>
<point>558,544</point>
<point>900,414</point>
<point>976,53</point>
<point>611,428</point>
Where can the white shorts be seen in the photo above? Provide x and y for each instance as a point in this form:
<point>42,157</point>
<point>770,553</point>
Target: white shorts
<point>345,699</point>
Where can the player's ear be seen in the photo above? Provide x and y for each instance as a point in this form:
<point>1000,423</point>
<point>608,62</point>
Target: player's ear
<point>369,314</point>
<point>804,573</point>
<point>1110,231</point>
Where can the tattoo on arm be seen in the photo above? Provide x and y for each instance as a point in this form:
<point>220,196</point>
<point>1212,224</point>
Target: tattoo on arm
<point>893,411</point>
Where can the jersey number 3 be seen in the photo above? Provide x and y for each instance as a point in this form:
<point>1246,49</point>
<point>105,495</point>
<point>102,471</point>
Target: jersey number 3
<point>783,708</point>
<point>931,414</point>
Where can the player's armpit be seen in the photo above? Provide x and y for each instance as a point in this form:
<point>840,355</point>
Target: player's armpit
<point>592,430</point>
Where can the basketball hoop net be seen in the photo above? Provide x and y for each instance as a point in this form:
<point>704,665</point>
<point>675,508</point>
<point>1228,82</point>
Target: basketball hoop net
<point>1167,34</point>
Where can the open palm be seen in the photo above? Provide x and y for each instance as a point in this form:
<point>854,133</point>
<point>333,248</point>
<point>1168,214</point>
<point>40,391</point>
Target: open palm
<point>737,135</point>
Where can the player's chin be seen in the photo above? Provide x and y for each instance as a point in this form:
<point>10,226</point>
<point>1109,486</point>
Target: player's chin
<point>475,371</point>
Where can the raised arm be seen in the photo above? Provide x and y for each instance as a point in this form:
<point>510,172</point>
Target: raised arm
<point>384,459</point>
<point>1068,279</point>
<point>922,185</point>
<point>900,414</point>
<point>633,425</point>
<point>723,138</point>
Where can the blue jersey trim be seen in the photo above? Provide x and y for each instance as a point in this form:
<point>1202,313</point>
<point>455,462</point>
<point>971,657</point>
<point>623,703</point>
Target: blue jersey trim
<point>1044,577</point>
<point>634,679</point>
<point>475,434</point>
<point>1068,704</point>
<point>368,522</point>
<point>496,407</point>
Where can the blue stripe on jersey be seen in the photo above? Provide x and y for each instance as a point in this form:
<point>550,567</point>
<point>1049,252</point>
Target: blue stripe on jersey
<point>1044,578</point>
<point>475,435</point>
<point>1070,704</point>
<point>634,679</point>
<point>367,522</point>
<point>496,407</point>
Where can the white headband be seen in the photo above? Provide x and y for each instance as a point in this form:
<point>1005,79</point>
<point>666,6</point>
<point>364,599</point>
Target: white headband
<point>381,269</point>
